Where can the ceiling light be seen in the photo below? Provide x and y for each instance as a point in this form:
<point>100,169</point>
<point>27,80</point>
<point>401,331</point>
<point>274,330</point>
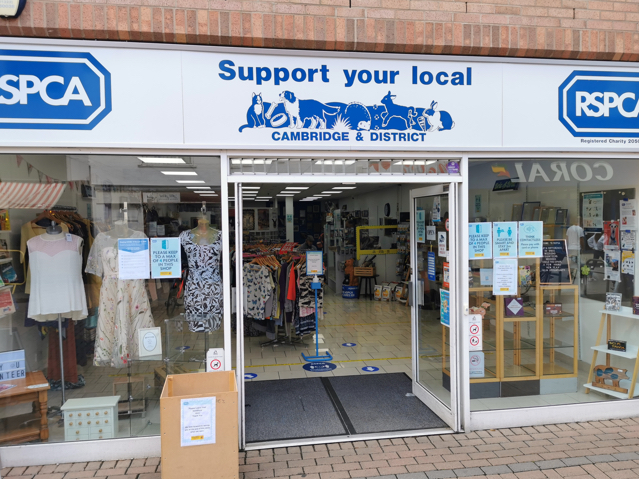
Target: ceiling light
<point>430,162</point>
<point>189,181</point>
<point>349,162</point>
<point>344,188</point>
<point>203,191</point>
<point>284,195</point>
<point>349,183</point>
<point>264,197</point>
<point>320,196</point>
<point>179,173</point>
<point>161,160</point>
<point>251,187</point>
<point>208,194</point>
<point>296,188</point>
<point>330,192</point>
<point>262,200</point>
<point>199,187</point>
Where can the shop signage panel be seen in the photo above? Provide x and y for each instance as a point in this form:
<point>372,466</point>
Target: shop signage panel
<point>281,101</point>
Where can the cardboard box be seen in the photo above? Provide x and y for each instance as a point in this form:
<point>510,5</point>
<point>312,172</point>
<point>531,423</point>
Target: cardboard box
<point>219,460</point>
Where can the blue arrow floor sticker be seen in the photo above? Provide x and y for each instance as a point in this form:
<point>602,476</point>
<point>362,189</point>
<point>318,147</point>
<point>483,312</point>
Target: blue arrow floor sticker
<point>349,345</point>
<point>370,369</point>
<point>250,376</point>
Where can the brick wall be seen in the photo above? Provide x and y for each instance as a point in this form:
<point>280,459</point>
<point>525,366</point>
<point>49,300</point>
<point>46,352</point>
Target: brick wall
<point>584,29</point>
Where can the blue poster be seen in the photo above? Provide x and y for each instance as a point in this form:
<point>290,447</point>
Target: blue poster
<point>133,258</point>
<point>480,241</point>
<point>166,260</point>
<point>431,266</point>
<point>420,225</point>
<point>531,239</point>
<point>505,239</point>
<point>444,308</point>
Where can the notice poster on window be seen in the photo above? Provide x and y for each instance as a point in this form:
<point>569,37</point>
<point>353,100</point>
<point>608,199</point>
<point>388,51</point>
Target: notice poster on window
<point>198,421</point>
<point>437,209</point>
<point>554,267</point>
<point>431,233</point>
<point>133,258</point>
<point>441,243</point>
<point>592,212</point>
<point>612,265</point>
<point>628,239</point>
<point>628,262</point>
<point>480,241</point>
<point>504,277</point>
<point>446,280</point>
<point>420,226</point>
<point>505,239</point>
<point>531,239</point>
<point>611,234</point>
<point>444,310</point>
<point>628,212</point>
<point>166,259</point>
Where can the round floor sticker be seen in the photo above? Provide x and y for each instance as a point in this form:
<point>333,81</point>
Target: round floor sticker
<point>349,345</point>
<point>250,376</point>
<point>319,367</point>
<point>370,369</point>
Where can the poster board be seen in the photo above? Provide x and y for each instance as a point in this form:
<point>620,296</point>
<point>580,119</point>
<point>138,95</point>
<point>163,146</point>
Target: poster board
<point>554,266</point>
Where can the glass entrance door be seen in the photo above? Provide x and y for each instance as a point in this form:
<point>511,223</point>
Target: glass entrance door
<point>434,312</point>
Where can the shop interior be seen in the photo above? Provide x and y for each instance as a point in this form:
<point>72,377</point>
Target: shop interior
<point>364,313</point>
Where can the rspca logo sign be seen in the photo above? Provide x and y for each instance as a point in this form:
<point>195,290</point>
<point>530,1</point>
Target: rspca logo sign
<point>52,90</point>
<point>596,104</point>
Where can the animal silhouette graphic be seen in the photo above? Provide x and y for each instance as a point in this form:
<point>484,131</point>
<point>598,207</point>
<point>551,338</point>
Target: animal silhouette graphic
<point>289,111</point>
<point>436,120</point>
<point>255,113</point>
<point>397,111</point>
<point>299,111</point>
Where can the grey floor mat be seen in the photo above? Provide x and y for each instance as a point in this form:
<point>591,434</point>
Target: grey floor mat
<point>289,408</point>
<point>378,403</point>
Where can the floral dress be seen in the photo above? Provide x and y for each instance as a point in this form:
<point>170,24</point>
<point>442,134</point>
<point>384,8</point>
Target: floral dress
<point>124,305</point>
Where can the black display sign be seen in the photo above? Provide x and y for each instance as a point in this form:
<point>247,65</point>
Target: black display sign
<point>555,264</point>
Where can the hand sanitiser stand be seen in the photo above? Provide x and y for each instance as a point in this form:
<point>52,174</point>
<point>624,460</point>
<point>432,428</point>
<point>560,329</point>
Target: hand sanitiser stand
<point>315,266</point>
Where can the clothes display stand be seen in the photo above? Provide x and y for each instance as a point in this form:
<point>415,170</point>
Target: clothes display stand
<point>55,229</point>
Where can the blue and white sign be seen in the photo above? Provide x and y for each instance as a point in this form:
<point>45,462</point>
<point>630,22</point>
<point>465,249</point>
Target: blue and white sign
<point>349,345</point>
<point>531,239</point>
<point>52,90</point>
<point>431,266</point>
<point>133,258</point>
<point>600,103</point>
<point>480,239</point>
<point>166,259</point>
<point>444,307</point>
<point>248,376</point>
<point>319,367</point>
<point>370,369</point>
<point>314,263</point>
<point>505,239</point>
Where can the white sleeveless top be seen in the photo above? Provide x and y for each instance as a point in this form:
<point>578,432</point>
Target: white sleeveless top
<point>56,278</point>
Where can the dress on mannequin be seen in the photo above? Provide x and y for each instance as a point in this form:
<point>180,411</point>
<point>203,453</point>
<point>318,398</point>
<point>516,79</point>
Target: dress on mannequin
<point>124,304</point>
<point>203,290</point>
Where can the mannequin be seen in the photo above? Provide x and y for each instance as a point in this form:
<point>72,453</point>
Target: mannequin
<point>203,290</point>
<point>120,229</point>
<point>204,234</point>
<point>54,228</point>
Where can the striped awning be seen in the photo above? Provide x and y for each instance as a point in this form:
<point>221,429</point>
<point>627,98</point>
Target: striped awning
<point>30,195</point>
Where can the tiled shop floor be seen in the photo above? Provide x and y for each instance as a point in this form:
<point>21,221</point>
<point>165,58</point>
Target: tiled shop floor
<point>601,450</point>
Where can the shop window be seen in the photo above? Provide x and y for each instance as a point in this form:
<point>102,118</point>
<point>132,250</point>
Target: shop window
<point>551,271</point>
<point>104,246</point>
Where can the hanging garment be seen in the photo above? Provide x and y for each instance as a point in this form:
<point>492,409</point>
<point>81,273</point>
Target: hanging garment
<point>56,281</point>
<point>258,289</point>
<point>124,305</point>
<point>203,301</point>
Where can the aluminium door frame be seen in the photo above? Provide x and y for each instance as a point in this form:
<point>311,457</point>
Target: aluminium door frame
<point>237,180</point>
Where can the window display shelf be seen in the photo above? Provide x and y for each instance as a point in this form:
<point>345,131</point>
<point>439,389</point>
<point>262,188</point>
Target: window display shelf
<point>554,369</point>
<point>625,312</point>
<point>520,370</point>
<point>562,316</point>
<point>630,353</point>
<point>549,343</point>
<point>608,392</point>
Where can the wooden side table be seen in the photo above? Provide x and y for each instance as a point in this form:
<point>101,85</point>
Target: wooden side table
<point>23,393</point>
